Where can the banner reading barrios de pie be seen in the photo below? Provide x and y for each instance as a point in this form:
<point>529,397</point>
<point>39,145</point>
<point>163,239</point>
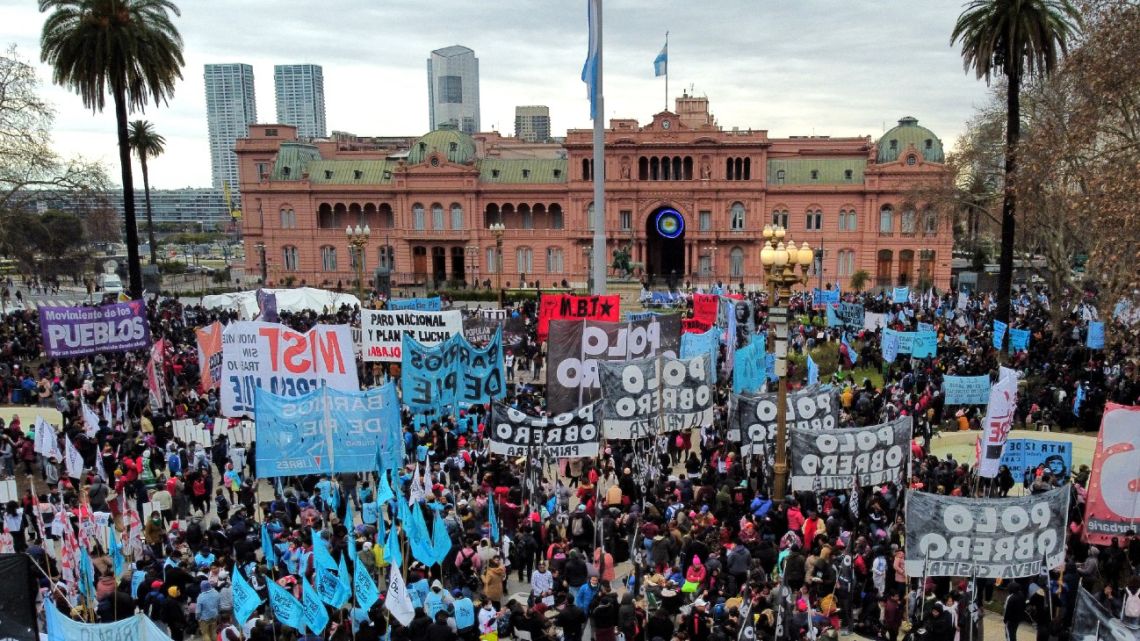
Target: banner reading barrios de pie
<point>1003,538</point>
<point>1114,499</point>
<point>282,361</point>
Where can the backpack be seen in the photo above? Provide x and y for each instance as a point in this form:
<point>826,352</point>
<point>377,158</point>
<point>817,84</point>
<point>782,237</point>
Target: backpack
<point>465,564</point>
<point>1131,603</point>
<point>578,528</point>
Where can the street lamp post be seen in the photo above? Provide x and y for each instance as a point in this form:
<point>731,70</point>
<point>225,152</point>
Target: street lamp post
<point>472,264</point>
<point>497,229</point>
<point>357,239</point>
<point>780,261</point>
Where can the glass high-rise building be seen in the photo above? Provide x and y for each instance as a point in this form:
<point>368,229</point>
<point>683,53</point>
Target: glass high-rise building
<point>453,89</point>
<point>532,123</point>
<point>300,92</point>
<point>230,109</point>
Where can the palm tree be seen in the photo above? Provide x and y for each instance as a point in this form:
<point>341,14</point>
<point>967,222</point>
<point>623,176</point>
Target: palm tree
<point>129,48</point>
<point>1017,39</point>
<point>146,143</point>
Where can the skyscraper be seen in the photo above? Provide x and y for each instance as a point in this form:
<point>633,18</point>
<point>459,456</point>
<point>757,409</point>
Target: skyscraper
<point>532,123</point>
<point>230,109</point>
<point>453,88</point>
<point>300,91</point>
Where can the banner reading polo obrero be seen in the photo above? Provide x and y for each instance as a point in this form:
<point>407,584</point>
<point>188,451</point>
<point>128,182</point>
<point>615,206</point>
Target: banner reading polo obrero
<point>651,396</point>
<point>576,348</point>
<point>828,459</point>
<point>998,422</point>
<point>572,307</point>
<point>210,354</point>
<point>1003,538</point>
<point>568,435</point>
<point>327,431</point>
<point>1114,490</point>
<point>81,331</point>
<point>383,331</point>
<point>753,422</point>
<point>256,355</point>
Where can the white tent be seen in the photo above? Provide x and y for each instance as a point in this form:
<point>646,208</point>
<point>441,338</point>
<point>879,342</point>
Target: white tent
<point>288,300</point>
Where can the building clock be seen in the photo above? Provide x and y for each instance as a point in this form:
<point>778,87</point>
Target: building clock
<point>665,124</point>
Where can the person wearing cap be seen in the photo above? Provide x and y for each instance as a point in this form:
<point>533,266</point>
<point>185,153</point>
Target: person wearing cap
<point>696,623</point>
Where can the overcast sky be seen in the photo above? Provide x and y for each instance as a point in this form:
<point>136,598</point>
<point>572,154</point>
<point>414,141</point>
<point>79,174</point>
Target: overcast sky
<point>831,67</point>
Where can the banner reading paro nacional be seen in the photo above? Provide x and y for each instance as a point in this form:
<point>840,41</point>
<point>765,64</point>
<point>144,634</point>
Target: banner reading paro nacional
<point>828,459</point>
<point>568,435</point>
<point>81,331</point>
<point>384,330</point>
<point>284,362</point>
<point>1114,506</point>
<point>1004,538</point>
<point>651,396</point>
<point>753,422</point>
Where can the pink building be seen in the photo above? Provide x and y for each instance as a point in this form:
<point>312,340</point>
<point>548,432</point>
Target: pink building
<point>688,197</point>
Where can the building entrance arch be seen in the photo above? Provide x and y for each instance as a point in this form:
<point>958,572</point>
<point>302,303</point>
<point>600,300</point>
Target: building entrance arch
<point>665,245</point>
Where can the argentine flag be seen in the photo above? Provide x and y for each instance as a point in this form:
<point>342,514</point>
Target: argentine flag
<point>590,69</point>
<point>661,62</point>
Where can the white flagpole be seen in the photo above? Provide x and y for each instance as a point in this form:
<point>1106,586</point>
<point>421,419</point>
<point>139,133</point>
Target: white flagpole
<point>599,174</point>
<point>666,71</point>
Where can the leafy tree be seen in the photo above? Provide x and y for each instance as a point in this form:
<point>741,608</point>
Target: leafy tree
<point>1017,39</point>
<point>860,279</point>
<point>147,143</point>
<point>128,48</point>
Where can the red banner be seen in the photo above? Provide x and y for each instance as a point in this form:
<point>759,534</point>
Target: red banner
<point>571,307</point>
<point>1113,508</point>
<point>695,326</point>
<point>210,355</point>
<point>704,308</point>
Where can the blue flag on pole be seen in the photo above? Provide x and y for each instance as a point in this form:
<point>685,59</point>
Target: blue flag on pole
<point>591,69</point>
<point>344,587</point>
<point>851,353</point>
<point>812,371</point>
<point>267,547</point>
<point>313,609</point>
<point>116,551</point>
<point>365,588</point>
<point>392,553</point>
<point>440,540</point>
<point>86,574</point>
<point>999,334</point>
<point>245,598</point>
<point>1095,338</point>
<point>286,607</point>
<point>1078,398</point>
<point>493,519</point>
<point>661,62</point>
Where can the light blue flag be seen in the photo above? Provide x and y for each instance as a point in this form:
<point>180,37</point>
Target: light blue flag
<point>381,534</point>
<point>267,547</point>
<point>286,607</point>
<point>116,552</point>
<point>493,518</point>
<point>1095,338</point>
<point>313,609</point>
<point>440,540</point>
<point>365,588</point>
<point>854,355</point>
<point>418,538</point>
<point>832,318</point>
<point>770,365</point>
<point>344,588</point>
<point>890,346</point>
<point>137,579</point>
<point>812,371</point>
<point>999,334</point>
<point>591,69</point>
<point>325,572</point>
<point>384,491</point>
<point>661,62</point>
<point>392,553</point>
<point>1018,340</point>
<point>86,574</point>
<point>245,598</point>
<point>1078,398</point>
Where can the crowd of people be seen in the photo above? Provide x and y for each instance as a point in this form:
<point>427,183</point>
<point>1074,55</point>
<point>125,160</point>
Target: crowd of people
<point>585,548</point>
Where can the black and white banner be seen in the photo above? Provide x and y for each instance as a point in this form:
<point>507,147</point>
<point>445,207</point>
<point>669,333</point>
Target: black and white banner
<point>1003,538</point>
<point>575,348</point>
<point>828,459</point>
<point>651,396</point>
<point>1091,622</point>
<point>753,422</point>
<point>567,435</point>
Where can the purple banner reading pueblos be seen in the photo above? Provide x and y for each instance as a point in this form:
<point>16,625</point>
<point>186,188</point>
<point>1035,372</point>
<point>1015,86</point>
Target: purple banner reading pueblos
<point>79,331</point>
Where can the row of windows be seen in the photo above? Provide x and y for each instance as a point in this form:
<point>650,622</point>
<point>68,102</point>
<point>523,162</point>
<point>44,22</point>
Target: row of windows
<point>385,256</point>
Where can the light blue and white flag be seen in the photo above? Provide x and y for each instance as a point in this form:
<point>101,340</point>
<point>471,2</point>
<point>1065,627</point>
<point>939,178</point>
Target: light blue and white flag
<point>592,68</point>
<point>812,371</point>
<point>246,599</point>
<point>661,62</point>
<point>1078,398</point>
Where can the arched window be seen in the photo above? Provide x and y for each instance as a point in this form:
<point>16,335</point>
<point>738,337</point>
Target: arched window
<point>907,221</point>
<point>418,217</point>
<point>387,220</point>
<point>290,258</point>
<point>737,216</point>
<point>524,260</point>
<point>736,263</point>
<point>554,260</point>
<point>437,216</point>
<point>929,221</point>
<point>886,219</point>
<point>328,258</point>
<point>492,264</point>
<point>780,217</point>
<point>456,216</point>
<point>526,216</point>
<point>556,221</point>
<point>846,265</point>
<point>643,168</point>
<point>288,218</point>
<point>847,220</point>
<point>814,220</point>
<point>654,168</point>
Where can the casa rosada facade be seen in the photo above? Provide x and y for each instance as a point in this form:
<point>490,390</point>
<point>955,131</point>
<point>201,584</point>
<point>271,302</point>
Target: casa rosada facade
<point>687,198</point>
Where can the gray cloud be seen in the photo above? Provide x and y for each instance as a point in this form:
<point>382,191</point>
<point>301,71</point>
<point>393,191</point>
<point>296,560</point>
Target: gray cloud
<point>822,66</point>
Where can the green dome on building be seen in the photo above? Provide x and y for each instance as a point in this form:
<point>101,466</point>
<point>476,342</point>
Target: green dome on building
<point>907,133</point>
<point>455,145</point>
